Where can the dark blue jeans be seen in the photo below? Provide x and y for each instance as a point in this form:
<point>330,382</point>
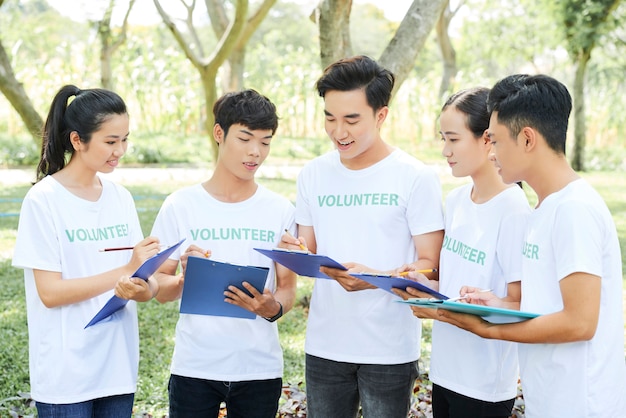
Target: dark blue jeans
<point>200,398</point>
<point>335,389</point>
<point>118,406</point>
<point>449,404</point>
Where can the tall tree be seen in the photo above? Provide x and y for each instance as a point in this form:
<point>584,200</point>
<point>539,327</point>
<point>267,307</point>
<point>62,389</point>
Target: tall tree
<point>235,64</point>
<point>232,34</point>
<point>110,42</point>
<point>448,53</point>
<point>585,21</point>
<point>333,17</point>
<point>14,91</point>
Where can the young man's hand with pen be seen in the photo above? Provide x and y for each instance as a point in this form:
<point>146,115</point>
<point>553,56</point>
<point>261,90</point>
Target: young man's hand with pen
<point>289,242</point>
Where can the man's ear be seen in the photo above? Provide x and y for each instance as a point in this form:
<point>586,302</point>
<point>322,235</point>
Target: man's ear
<point>529,136</point>
<point>381,115</point>
<point>218,134</point>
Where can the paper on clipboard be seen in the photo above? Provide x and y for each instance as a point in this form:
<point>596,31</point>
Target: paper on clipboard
<point>146,270</point>
<point>302,263</point>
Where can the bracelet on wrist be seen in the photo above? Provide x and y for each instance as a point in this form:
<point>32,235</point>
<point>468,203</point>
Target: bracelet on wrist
<point>278,315</point>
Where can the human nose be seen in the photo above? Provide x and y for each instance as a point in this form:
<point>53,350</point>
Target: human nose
<point>120,149</point>
<point>339,130</point>
<point>446,151</point>
<point>253,149</point>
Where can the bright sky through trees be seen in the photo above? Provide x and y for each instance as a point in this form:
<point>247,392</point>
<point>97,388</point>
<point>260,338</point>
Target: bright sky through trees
<point>144,11</point>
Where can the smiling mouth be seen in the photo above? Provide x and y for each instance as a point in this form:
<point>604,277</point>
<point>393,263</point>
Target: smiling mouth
<point>344,144</point>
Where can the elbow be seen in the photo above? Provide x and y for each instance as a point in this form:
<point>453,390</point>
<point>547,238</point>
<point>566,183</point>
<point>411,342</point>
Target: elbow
<point>50,302</point>
<point>582,332</point>
<point>586,333</point>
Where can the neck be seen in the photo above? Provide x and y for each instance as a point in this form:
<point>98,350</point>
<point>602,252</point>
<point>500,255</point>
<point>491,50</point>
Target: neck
<point>487,184</point>
<point>550,176</point>
<point>377,152</point>
<point>226,187</point>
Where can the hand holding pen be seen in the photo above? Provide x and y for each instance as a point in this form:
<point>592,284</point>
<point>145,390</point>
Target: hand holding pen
<point>144,249</point>
<point>288,241</point>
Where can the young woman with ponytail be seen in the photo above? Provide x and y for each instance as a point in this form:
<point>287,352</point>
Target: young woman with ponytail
<point>67,216</point>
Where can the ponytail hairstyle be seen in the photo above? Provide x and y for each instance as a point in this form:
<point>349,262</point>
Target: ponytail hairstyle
<point>83,115</point>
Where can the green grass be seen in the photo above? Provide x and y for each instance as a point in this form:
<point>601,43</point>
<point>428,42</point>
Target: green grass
<point>157,322</point>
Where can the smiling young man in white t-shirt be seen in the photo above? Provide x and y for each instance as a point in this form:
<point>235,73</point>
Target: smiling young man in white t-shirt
<point>571,357</point>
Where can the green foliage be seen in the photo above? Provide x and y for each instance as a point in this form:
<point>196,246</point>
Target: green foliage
<point>584,22</point>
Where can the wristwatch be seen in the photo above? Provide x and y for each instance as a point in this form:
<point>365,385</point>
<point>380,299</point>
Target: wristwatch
<point>278,315</point>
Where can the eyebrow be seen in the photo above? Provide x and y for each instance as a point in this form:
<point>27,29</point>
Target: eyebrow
<point>245,131</point>
<point>349,116</point>
<point>118,136</point>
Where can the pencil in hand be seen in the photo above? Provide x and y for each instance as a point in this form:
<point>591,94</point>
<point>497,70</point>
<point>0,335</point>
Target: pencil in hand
<point>423,271</point>
<point>302,246</point>
<point>103,250</point>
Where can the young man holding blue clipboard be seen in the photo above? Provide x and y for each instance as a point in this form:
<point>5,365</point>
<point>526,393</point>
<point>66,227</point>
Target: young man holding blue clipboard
<point>219,358</point>
<point>572,356</point>
<point>368,203</point>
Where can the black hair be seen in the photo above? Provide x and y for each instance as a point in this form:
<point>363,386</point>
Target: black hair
<point>84,115</point>
<point>359,72</point>
<point>537,101</point>
<point>246,107</point>
<point>472,103</point>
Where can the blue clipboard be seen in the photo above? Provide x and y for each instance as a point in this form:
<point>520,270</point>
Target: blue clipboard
<point>488,313</point>
<point>146,270</point>
<point>388,282</point>
<point>205,283</point>
<point>302,263</point>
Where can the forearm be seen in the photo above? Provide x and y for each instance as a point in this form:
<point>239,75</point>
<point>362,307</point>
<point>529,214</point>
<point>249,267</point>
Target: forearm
<point>169,287</point>
<point>54,291</point>
<point>551,329</point>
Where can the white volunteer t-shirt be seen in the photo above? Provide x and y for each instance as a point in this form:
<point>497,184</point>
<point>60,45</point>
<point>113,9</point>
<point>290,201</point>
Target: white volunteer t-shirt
<point>366,216</point>
<point>481,248</point>
<point>573,231</point>
<point>214,347</point>
<point>61,232</point>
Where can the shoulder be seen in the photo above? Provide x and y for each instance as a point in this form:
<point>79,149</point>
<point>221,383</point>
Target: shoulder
<point>401,160</point>
<point>321,163</point>
<point>117,188</point>
<point>266,193</point>
<point>186,192</point>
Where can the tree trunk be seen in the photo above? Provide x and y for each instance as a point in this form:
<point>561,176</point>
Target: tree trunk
<point>208,66</point>
<point>235,64</point>
<point>14,91</point>
<point>110,43</point>
<point>400,54</point>
<point>334,30</point>
<point>234,69</point>
<point>580,126</point>
<point>448,54</point>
